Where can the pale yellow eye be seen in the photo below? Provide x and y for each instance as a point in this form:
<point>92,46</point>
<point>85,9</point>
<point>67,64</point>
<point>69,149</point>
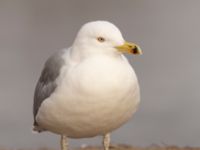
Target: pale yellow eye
<point>101,39</point>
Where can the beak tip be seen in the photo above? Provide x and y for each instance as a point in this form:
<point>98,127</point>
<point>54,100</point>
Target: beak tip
<point>137,50</point>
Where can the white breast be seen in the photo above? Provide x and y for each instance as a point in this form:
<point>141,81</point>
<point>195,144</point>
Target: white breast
<point>95,97</point>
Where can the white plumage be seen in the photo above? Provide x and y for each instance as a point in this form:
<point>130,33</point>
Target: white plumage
<point>97,89</point>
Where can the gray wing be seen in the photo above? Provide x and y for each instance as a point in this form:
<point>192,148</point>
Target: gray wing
<point>47,81</point>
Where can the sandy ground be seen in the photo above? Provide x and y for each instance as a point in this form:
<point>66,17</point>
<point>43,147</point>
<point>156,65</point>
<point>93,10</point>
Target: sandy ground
<point>153,147</point>
<point>126,147</point>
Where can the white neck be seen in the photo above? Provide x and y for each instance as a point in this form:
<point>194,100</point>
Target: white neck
<point>79,53</point>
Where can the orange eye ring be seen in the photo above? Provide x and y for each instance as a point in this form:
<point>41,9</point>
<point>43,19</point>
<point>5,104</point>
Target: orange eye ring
<point>101,39</point>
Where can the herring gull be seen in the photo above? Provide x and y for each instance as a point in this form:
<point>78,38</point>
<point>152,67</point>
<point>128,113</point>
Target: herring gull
<point>89,89</point>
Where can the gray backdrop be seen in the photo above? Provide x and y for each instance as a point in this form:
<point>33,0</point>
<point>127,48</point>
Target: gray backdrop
<point>168,32</point>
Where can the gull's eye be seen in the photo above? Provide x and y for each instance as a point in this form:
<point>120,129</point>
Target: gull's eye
<point>100,39</point>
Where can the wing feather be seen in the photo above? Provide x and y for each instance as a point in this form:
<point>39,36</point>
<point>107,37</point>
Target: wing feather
<point>47,81</point>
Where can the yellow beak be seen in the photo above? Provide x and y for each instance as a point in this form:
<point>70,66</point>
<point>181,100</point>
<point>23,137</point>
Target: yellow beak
<point>130,48</point>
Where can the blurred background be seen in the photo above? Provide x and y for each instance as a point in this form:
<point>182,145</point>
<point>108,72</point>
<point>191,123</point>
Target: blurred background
<point>168,31</point>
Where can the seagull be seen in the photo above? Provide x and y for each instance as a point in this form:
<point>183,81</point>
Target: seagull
<point>88,89</point>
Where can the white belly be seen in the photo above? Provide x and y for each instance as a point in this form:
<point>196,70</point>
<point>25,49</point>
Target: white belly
<point>94,98</point>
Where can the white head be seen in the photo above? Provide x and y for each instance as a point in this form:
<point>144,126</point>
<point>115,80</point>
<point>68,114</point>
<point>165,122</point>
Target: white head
<point>103,36</point>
